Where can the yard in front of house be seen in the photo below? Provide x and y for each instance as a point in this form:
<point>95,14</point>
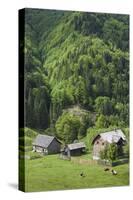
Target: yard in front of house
<point>52,173</point>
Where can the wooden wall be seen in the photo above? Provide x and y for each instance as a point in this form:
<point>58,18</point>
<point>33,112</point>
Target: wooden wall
<point>54,147</point>
<point>98,146</point>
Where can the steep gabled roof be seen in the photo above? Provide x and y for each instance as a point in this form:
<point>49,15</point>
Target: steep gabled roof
<point>78,145</point>
<point>43,140</point>
<point>111,136</point>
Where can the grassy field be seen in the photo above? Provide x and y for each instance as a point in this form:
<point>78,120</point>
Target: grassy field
<point>52,173</point>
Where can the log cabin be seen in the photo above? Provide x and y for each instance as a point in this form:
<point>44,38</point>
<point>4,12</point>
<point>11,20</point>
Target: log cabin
<point>46,144</point>
<point>101,140</point>
<point>74,149</point>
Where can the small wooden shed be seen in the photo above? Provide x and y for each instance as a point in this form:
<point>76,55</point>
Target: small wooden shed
<point>101,140</point>
<point>74,149</point>
<point>46,144</point>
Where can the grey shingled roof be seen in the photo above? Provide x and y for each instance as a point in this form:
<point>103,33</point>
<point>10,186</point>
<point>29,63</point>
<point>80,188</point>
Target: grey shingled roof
<point>76,145</point>
<point>113,136</point>
<point>43,140</point>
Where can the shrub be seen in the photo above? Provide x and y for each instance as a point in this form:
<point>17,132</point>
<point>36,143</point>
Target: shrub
<point>110,152</point>
<point>67,127</point>
<point>104,153</point>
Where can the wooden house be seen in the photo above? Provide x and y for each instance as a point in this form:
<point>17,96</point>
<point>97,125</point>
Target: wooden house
<point>46,144</point>
<point>101,140</point>
<point>74,149</point>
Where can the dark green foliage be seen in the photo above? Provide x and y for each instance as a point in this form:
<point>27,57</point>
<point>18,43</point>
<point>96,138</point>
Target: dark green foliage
<point>67,128</point>
<point>50,131</point>
<point>102,121</point>
<point>126,149</point>
<point>113,151</point>
<point>72,124</point>
<point>104,105</point>
<point>110,152</point>
<point>104,153</point>
<point>116,32</point>
<point>74,58</point>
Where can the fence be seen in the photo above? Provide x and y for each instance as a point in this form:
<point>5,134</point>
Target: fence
<point>94,162</point>
<point>64,157</point>
<point>114,163</point>
<point>83,161</point>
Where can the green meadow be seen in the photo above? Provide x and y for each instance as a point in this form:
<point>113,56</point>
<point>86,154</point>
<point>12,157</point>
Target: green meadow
<point>52,173</point>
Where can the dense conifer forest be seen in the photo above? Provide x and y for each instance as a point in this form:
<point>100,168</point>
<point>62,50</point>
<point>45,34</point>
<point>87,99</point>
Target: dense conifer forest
<point>76,72</point>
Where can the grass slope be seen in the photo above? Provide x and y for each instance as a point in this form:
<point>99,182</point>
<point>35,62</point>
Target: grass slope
<point>26,137</point>
<point>51,173</point>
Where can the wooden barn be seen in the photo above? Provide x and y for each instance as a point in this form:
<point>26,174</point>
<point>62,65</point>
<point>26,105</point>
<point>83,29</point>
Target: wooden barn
<point>46,144</point>
<point>75,149</point>
<point>101,140</point>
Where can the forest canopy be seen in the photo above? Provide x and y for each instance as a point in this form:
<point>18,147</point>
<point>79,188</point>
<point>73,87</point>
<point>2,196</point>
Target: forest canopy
<point>76,59</point>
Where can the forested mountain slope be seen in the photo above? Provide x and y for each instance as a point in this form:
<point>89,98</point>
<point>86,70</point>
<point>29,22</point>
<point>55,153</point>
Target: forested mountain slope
<point>76,59</point>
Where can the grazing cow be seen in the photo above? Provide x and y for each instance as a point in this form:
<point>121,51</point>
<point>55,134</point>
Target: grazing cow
<point>114,172</point>
<point>82,174</point>
<point>106,169</point>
